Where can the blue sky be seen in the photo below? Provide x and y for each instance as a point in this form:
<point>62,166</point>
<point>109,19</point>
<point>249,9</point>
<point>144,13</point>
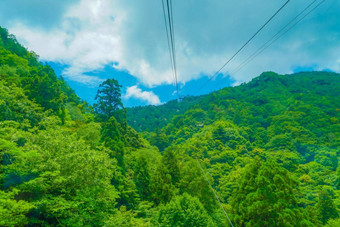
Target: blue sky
<point>88,41</point>
<point>163,92</point>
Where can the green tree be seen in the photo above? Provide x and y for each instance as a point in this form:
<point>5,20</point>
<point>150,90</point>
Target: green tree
<point>337,181</point>
<point>13,212</point>
<point>327,157</point>
<point>170,161</point>
<point>193,183</point>
<point>162,188</point>
<point>333,223</point>
<point>128,192</point>
<point>126,218</point>
<point>111,136</point>
<point>109,102</point>
<point>265,197</point>
<point>326,206</point>
<point>159,139</point>
<point>142,177</point>
<point>66,181</point>
<point>183,210</point>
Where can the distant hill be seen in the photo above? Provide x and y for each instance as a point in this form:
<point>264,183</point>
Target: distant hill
<point>151,118</point>
<point>267,88</point>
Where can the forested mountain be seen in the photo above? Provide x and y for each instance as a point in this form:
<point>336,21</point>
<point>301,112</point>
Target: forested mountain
<point>269,85</point>
<point>269,148</point>
<point>286,124</point>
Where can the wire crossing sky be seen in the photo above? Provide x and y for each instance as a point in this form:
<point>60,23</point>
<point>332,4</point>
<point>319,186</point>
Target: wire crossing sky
<point>244,45</point>
<point>278,35</point>
<point>169,27</point>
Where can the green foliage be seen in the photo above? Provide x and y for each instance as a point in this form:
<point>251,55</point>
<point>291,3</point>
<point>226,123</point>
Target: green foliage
<point>90,133</point>
<point>265,197</point>
<point>170,162</point>
<point>162,188</point>
<point>54,169</point>
<point>333,223</point>
<point>126,218</point>
<point>15,106</point>
<point>158,139</point>
<point>183,210</point>
<point>142,177</point>
<point>112,139</point>
<point>193,183</point>
<point>327,157</point>
<point>12,211</point>
<point>326,206</point>
<point>143,163</point>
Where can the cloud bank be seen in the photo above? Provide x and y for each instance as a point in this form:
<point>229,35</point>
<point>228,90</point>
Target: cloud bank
<point>148,96</point>
<point>130,35</point>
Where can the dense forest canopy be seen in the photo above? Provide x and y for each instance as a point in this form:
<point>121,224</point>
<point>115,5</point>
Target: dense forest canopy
<point>270,149</point>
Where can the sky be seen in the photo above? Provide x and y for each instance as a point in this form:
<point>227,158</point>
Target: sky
<point>88,41</point>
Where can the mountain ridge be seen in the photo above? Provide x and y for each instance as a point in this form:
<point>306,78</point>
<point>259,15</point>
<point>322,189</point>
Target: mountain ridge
<point>153,122</point>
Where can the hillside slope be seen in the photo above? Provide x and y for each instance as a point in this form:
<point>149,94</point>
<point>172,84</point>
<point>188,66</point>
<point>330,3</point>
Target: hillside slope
<point>267,86</point>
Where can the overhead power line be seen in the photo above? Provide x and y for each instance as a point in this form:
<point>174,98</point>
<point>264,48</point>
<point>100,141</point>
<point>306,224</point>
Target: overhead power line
<point>171,18</point>
<point>168,39</point>
<point>170,32</point>
<point>278,35</point>
<point>244,45</point>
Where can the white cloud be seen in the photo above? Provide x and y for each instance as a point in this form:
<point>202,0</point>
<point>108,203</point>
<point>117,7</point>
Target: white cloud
<point>86,40</point>
<point>148,96</point>
<point>130,35</point>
